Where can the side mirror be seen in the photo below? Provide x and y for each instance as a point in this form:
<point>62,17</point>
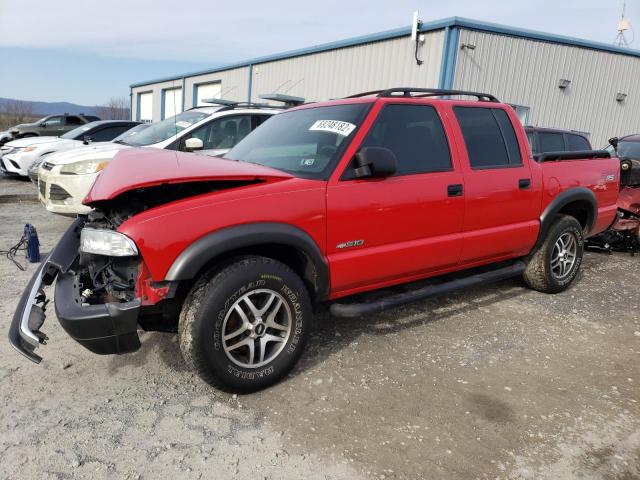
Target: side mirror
<point>193,144</point>
<point>86,140</point>
<point>43,124</point>
<point>375,162</point>
<point>614,142</point>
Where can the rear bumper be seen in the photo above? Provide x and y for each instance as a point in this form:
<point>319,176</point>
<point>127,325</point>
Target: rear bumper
<point>105,328</point>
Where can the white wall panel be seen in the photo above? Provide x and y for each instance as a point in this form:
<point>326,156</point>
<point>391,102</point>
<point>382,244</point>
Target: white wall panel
<point>527,72</point>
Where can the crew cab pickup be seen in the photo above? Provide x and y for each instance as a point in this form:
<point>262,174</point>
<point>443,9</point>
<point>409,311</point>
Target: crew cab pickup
<point>322,202</point>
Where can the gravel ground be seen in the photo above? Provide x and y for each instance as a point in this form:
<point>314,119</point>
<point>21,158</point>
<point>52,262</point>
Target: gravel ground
<point>495,382</point>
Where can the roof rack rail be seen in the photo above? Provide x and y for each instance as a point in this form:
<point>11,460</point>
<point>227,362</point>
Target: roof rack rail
<point>231,104</point>
<point>425,92</point>
<point>288,101</point>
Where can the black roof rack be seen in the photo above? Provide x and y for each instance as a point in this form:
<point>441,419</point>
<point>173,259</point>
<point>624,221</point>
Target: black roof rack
<point>288,101</point>
<point>425,92</point>
<point>231,104</point>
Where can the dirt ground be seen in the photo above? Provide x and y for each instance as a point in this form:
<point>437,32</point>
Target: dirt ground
<point>496,382</point>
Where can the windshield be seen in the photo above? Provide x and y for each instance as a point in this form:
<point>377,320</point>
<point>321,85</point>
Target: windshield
<point>629,149</point>
<point>161,131</point>
<point>124,137</point>
<point>306,143</point>
<point>77,133</point>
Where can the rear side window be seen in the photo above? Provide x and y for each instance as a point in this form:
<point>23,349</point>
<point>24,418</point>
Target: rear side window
<point>489,137</point>
<point>74,121</point>
<point>551,142</point>
<point>109,133</point>
<point>577,142</point>
<point>414,133</point>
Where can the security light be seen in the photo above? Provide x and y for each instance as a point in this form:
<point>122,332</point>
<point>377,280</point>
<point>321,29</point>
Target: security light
<point>621,97</point>
<point>563,83</point>
<point>467,46</point>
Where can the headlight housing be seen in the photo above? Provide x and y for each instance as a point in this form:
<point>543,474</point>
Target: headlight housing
<point>28,149</point>
<point>106,242</point>
<point>83,168</point>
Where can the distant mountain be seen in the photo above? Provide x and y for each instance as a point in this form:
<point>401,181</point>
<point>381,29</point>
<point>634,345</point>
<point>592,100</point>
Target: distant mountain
<point>51,108</point>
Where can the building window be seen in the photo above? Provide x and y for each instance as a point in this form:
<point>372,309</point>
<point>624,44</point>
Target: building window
<point>171,102</point>
<point>145,107</point>
<point>205,91</point>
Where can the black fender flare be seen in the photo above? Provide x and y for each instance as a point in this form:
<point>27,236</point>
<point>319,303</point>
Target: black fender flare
<point>578,194</point>
<point>187,265</point>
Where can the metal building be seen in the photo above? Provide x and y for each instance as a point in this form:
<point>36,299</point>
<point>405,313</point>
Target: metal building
<point>551,80</point>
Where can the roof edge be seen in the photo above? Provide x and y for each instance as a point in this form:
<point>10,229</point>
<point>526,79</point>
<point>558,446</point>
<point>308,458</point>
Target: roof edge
<point>325,47</point>
<point>460,22</point>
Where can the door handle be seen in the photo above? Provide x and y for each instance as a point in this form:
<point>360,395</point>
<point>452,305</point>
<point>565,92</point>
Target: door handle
<point>524,183</point>
<point>455,190</point>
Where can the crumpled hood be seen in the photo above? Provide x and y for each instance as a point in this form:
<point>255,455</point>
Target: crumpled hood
<point>31,141</point>
<point>102,151</point>
<point>136,168</point>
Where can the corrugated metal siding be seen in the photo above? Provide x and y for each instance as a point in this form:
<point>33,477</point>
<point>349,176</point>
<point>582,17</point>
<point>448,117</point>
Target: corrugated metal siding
<point>346,71</point>
<point>527,72</point>
<point>324,75</point>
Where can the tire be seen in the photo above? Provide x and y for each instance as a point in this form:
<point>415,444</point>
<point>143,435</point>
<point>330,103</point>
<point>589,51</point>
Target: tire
<point>28,135</point>
<point>213,310</point>
<point>549,270</point>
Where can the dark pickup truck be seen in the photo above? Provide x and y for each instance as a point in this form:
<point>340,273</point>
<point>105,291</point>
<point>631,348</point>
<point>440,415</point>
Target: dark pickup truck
<point>321,202</point>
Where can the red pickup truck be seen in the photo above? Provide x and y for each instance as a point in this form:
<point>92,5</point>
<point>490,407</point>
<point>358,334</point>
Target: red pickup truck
<point>321,202</point>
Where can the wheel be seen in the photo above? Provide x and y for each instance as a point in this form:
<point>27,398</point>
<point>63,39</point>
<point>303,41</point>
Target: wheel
<point>555,263</point>
<point>244,326</point>
<point>27,135</point>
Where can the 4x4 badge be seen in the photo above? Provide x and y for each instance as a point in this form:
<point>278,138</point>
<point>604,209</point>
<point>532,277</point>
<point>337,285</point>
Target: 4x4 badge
<point>352,243</point>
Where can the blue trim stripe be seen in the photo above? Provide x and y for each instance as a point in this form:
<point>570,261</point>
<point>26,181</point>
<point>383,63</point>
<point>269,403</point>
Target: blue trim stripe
<point>450,57</point>
<point>405,31</point>
<point>445,51</point>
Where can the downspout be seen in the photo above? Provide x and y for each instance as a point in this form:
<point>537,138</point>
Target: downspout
<point>250,83</point>
<point>448,68</point>
<point>130,104</point>
<point>183,93</point>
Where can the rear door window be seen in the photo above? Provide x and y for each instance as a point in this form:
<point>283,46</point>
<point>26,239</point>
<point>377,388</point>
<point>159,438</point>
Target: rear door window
<point>551,142</point>
<point>107,134</point>
<point>577,142</point>
<point>414,133</point>
<point>72,120</point>
<point>489,137</point>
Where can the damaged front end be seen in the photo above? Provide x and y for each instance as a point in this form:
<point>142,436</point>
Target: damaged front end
<point>94,296</point>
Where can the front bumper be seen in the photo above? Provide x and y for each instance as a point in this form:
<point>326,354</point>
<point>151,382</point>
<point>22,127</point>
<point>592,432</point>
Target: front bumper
<point>70,190</point>
<point>105,328</point>
<point>17,163</point>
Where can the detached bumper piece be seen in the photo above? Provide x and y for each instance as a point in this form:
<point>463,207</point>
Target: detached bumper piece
<point>104,329</point>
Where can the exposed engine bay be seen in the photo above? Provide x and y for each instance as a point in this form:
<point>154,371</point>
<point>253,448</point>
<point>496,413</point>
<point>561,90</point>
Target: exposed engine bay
<point>114,279</point>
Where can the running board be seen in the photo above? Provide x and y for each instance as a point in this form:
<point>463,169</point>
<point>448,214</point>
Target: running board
<point>352,310</point>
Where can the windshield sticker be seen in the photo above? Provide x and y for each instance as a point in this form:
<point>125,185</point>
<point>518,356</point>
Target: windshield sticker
<point>333,126</point>
<point>183,124</point>
<point>307,162</point>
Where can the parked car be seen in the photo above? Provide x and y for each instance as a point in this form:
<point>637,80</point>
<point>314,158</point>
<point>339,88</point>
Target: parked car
<point>322,202</point>
<point>65,178</point>
<point>51,125</point>
<point>19,155</point>
<point>625,147</point>
<point>5,137</point>
<point>95,134</point>
<point>553,140</point>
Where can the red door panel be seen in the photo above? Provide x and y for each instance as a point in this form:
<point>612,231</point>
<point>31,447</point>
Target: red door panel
<point>408,224</point>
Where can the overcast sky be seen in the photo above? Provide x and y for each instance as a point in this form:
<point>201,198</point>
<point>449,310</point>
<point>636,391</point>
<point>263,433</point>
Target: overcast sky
<point>87,51</point>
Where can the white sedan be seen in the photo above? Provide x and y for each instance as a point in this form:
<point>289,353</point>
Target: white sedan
<point>18,155</point>
<point>64,179</point>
